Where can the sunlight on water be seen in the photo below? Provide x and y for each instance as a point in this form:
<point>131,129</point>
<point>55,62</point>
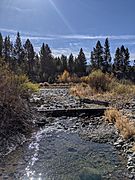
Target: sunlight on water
<point>34,147</point>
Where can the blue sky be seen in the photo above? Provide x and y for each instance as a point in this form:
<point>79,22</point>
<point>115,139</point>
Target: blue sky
<point>68,25</point>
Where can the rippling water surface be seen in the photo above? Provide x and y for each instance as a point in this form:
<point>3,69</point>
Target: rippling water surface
<point>55,154</point>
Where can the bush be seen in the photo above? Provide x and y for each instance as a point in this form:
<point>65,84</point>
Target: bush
<point>99,81</point>
<point>105,83</point>
<point>26,87</point>
<point>65,77</point>
<point>30,87</point>
<point>13,108</point>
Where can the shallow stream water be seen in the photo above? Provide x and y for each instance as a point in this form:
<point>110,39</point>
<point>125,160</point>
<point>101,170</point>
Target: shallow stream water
<point>53,153</point>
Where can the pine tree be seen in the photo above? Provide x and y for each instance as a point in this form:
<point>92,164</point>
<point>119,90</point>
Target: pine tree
<point>44,76</point>
<point>64,62</point>
<point>117,60</point>
<point>122,53</point>
<point>107,56</point>
<point>126,60</point>
<point>47,63</point>
<point>59,65</point>
<point>76,65</point>
<point>98,53</point>
<point>81,63</point>
<point>93,61</point>
<point>36,69</point>
<point>71,65</point>
<point>1,44</point>
<point>29,61</point>
<point>7,52</point>
<point>19,52</point>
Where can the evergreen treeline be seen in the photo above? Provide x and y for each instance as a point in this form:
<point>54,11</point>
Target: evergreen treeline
<point>43,66</point>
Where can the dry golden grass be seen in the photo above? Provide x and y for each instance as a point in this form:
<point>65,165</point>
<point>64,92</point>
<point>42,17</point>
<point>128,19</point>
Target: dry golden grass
<point>123,124</point>
<point>111,115</point>
<point>133,148</point>
<point>123,89</point>
<point>103,83</point>
<point>100,86</point>
<point>82,90</point>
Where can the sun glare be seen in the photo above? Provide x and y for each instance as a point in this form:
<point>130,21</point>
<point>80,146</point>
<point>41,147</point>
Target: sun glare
<point>61,16</point>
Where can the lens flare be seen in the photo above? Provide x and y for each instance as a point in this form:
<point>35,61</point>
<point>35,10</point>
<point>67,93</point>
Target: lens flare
<point>61,16</point>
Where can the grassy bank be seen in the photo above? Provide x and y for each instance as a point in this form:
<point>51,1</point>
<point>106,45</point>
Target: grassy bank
<point>104,87</point>
<point>100,86</point>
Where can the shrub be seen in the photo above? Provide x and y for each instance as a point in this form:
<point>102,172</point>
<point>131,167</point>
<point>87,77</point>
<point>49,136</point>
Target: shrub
<point>65,77</point>
<point>99,81</point>
<point>14,109</point>
<point>30,87</point>
<point>123,124</point>
<point>102,83</point>
<point>25,87</point>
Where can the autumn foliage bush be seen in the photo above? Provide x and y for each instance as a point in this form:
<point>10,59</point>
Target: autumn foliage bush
<point>66,77</point>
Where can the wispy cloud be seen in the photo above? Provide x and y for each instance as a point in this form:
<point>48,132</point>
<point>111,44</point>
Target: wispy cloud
<point>68,51</point>
<point>36,38</point>
<point>8,30</point>
<point>18,9</point>
<point>130,43</point>
<point>132,56</point>
<point>112,37</point>
<point>21,9</point>
<point>72,36</point>
<point>87,37</point>
<point>66,44</point>
<point>25,35</point>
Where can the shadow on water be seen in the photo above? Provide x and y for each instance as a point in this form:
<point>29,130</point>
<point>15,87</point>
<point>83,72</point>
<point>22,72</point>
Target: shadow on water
<point>88,175</point>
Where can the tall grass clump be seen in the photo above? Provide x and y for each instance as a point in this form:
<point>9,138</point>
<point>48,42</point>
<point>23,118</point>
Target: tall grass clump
<point>82,90</point>
<point>125,126</point>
